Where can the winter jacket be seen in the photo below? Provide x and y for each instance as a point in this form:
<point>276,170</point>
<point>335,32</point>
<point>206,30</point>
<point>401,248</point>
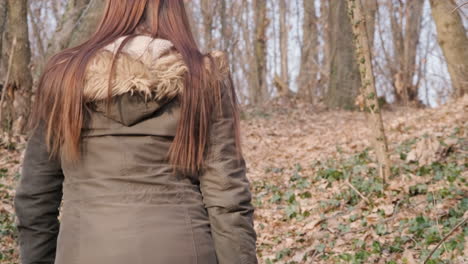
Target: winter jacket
<point>120,203</point>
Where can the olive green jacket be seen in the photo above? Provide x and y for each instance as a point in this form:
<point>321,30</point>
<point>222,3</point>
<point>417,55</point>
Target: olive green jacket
<point>120,202</point>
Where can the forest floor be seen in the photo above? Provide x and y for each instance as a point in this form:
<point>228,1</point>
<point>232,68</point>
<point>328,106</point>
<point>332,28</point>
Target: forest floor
<point>317,191</point>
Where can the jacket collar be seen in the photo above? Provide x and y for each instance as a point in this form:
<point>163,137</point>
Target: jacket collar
<point>145,65</point>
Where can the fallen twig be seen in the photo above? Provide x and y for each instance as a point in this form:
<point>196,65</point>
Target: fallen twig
<point>357,191</point>
<point>445,238</point>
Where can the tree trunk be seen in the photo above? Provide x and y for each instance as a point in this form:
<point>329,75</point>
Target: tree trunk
<point>344,81</point>
<point>225,30</point>
<point>261,23</point>
<point>283,35</point>
<point>37,34</point>
<point>307,79</point>
<point>451,36</point>
<point>62,36</point>
<point>15,108</point>
<point>3,13</point>
<point>369,92</point>
<point>245,53</point>
<point>87,23</point>
<point>191,13</point>
<point>324,73</point>
<point>207,15</point>
<point>405,34</point>
<point>370,7</point>
<point>411,41</point>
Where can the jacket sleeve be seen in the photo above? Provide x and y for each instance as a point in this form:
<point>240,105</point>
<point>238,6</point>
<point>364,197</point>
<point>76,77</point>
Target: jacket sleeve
<point>37,200</point>
<point>226,191</point>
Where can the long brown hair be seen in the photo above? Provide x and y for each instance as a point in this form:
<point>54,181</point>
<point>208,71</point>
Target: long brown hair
<point>60,104</point>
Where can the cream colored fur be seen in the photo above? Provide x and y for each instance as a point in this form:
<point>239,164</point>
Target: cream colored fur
<point>145,66</point>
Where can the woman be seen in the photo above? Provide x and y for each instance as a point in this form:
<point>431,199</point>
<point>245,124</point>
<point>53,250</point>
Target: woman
<point>137,133</point>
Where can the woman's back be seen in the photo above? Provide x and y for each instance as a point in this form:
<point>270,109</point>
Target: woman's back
<point>121,201</point>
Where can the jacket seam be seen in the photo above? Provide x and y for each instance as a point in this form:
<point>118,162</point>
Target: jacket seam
<point>236,237</point>
<point>188,222</point>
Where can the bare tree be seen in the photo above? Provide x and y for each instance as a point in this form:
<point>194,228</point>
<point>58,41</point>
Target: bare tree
<point>369,92</point>
<point>307,79</point>
<point>324,49</point>
<point>191,13</point>
<point>405,19</point>
<point>452,38</point>
<point>208,10</point>
<point>66,25</point>
<point>86,24</point>
<point>370,9</point>
<point>261,23</point>
<point>226,26</point>
<point>344,81</point>
<point>283,35</point>
<point>17,92</point>
<point>3,13</point>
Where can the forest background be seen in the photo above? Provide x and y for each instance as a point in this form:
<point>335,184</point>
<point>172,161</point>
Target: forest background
<point>354,136</point>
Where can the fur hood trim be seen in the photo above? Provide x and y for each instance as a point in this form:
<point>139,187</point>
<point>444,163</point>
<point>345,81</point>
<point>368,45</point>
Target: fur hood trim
<point>145,65</point>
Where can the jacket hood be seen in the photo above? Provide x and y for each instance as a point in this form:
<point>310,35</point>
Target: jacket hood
<point>148,74</point>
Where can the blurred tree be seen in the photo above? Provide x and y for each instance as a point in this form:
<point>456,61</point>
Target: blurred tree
<point>452,38</point>
<point>283,35</point>
<point>3,13</point>
<point>16,94</point>
<point>208,9</point>
<point>87,23</point>
<point>405,20</point>
<point>66,25</point>
<point>370,9</point>
<point>191,13</point>
<point>259,91</point>
<point>226,27</point>
<point>344,80</point>
<point>307,79</point>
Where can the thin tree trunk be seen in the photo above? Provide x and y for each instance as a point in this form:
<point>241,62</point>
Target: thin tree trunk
<point>3,14</point>
<point>261,23</point>
<point>246,52</point>
<point>370,7</point>
<point>344,81</point>
<point>191,13</point>
<point>16,107</point>
<point>369,92</point>
<point>307,79</point>
<point>452,38</point>
<point>63,34</point>
<point>207,15</point>
<point>37,33</point>
<point>411,41</point>
<point>225,30</point>
<point>406,28</point>
<point>323,23</point>
<point>283,35</point>
<point>87,23</point>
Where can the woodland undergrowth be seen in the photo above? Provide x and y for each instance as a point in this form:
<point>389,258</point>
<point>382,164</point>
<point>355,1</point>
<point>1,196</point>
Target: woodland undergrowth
<point>317,192</point>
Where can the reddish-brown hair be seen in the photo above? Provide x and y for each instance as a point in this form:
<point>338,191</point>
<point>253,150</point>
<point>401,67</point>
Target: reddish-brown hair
<point>60,104</point>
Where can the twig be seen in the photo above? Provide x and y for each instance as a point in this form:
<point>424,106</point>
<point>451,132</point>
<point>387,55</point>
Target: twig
<point>445,238</point>
<point>359,193</point>
<point>7,78</point>
<point>458,7</point>
<point>437,218</point>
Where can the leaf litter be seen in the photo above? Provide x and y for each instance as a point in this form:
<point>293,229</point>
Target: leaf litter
<point>311,168</point>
